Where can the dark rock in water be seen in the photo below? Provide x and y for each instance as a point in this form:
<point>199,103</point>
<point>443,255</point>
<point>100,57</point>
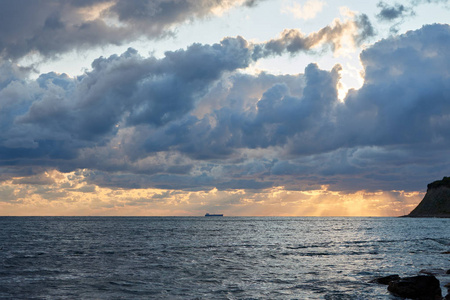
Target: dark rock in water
<point>386,280</point>
<point>448,271</point>
<point>436,202</point>
<point>417,287</point>
<point>432,271</point>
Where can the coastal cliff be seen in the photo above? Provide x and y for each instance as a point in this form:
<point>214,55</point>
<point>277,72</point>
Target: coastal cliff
<point>436,202</point>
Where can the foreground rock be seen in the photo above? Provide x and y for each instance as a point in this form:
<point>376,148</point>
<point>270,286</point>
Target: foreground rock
<point>417,287</point>
<point>436,202</point>
<point>448,288</point>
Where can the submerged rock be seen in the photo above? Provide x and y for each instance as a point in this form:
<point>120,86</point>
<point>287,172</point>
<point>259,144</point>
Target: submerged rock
<point>417,287</point>
<point>385,280</point>
<point>436,202</point>
<point>432,271</point>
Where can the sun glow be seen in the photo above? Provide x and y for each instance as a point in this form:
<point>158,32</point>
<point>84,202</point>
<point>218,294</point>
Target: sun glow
<point>95,11</point>
<point>68,194</point>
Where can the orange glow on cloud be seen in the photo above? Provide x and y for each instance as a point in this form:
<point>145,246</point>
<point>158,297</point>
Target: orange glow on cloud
<point>94,12</point>
<point>67,194</point>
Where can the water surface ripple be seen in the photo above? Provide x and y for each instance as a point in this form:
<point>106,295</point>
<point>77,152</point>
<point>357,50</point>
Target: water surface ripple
<point>214,258</point>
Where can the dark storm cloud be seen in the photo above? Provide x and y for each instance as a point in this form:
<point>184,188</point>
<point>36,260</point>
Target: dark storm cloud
<point>158,15</point>
<point>401,111</point>
<point>277,118</point>
<point>51,27</point>
<point>55,116</point>
<point>368,168</point>
<point>190,121</point>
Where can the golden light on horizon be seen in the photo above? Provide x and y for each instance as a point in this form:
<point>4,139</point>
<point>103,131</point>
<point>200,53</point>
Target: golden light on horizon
<point>69,194</point>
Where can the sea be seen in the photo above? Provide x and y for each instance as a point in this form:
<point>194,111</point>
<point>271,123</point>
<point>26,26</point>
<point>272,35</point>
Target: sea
<point>215,257</point>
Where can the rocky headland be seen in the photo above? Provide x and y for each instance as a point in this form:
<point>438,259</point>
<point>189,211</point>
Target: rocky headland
<point>436,203</point>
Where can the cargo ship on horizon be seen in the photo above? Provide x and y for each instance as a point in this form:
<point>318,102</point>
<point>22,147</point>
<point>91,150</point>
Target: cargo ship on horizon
<point>213,215</point>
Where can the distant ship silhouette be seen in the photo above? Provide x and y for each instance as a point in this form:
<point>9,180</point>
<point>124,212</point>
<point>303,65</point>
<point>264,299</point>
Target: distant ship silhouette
<point>213,215</point>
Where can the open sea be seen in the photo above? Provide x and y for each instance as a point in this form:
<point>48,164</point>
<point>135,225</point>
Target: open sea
<point>215,258</point>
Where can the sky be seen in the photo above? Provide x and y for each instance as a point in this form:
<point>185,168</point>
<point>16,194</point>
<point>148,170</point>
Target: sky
<point>240,107</point>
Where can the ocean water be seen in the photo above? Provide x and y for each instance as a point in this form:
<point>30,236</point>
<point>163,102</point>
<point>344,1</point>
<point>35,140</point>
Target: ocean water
<point>214,258</point>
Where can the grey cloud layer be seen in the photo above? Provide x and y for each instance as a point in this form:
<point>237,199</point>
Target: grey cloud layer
<point>58,112</point>
<point>51,27</point>
<point>191,121</point>
<point>393,12</point>
<point>398,11</point>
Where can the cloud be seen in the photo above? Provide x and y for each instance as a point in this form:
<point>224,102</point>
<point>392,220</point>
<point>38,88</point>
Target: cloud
<point>39,179</point>
<point>125,88</point>
<point>190,120</point>
<point>49,28</point>
<point>56,116</point>
<point>398,12</point>
<point>354,30</point>
<point>84,199</point>
<point>401,110</point>
<point>57,26</point>
<point>309,10</point>
<point>393,12</point>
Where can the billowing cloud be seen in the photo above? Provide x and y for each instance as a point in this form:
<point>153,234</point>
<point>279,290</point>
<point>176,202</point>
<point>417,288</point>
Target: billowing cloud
<point>56,26</point>
<point>56,116</point>
<point>190,120</point>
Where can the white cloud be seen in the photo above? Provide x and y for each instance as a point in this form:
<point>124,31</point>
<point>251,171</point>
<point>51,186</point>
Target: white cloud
<point>307,11</point>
